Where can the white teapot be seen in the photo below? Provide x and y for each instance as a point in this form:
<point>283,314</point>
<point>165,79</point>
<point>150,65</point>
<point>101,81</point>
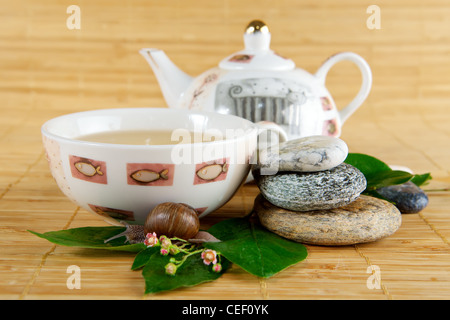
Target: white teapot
<point>260,85</point>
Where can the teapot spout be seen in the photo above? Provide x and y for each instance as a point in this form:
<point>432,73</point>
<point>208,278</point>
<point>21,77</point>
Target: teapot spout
<point>173,81</point>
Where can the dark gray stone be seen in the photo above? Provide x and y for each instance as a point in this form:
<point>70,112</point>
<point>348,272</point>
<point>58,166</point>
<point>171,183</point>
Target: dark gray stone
<point>364,220</point>
<point>408,197</point>
<point>314,190</point>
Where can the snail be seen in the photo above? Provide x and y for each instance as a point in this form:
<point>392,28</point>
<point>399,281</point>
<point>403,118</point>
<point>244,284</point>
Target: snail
<point>170,219</point>
<point>173,220</point>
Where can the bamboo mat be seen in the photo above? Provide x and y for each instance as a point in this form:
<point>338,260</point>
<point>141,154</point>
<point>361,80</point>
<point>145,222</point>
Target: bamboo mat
<point>47,70</point>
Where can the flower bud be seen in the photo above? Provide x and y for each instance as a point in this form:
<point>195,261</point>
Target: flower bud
<point>171,269</point>
<point>165,242</point>
<point>173,250</point>
<point>217,267</point>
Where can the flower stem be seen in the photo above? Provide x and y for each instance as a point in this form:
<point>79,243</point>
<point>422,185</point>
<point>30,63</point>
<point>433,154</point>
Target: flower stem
<point>179,239</point>
<point>178,263</point>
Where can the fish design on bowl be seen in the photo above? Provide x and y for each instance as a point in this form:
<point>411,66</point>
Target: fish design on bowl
<point>212,171</point>
<point>87,168</point>
<point>147,176</point>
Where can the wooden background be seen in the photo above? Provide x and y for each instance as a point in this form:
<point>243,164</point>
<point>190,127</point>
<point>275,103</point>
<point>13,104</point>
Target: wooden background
<point>47,70</point>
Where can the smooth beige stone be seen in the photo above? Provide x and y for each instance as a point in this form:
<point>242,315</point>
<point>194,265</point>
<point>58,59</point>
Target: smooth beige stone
<point>364,220</point>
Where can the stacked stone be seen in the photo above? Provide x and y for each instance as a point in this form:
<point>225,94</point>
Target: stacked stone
<point>309,195</point>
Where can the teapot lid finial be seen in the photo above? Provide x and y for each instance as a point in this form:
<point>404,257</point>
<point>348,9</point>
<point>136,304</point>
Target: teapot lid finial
<point>257,54</point>
<point>257,36</point>
<point>257,26</point>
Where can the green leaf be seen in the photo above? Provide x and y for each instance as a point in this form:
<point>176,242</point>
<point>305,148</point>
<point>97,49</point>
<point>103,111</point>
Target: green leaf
<point>421,179</point>
<point>253,248</point>
<point>387,178</point>
<point>378,174</point>
<point>91,237</point>
<point>192,272</point>
<point>368,165</point>
<point>143,257</point>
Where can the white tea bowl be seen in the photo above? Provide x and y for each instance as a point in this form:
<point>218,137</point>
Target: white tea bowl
<point>123,182</point>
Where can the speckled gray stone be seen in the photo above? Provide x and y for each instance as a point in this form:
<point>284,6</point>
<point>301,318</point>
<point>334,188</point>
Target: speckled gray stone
<point>366,219</point>
<point>314,190</point>
<point>308,154</point>
<point>408,197</point>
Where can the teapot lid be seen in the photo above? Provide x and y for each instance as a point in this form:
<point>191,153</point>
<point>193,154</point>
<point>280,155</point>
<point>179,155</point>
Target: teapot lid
<point>257,54</point>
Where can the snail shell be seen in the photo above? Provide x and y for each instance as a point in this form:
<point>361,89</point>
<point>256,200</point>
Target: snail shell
<point>173,220</point>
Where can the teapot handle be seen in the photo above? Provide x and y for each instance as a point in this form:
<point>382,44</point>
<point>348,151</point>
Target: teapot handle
<point>366,85</point>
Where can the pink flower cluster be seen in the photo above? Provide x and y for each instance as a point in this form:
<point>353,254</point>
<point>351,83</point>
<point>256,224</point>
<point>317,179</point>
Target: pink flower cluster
<point>209,256</point>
